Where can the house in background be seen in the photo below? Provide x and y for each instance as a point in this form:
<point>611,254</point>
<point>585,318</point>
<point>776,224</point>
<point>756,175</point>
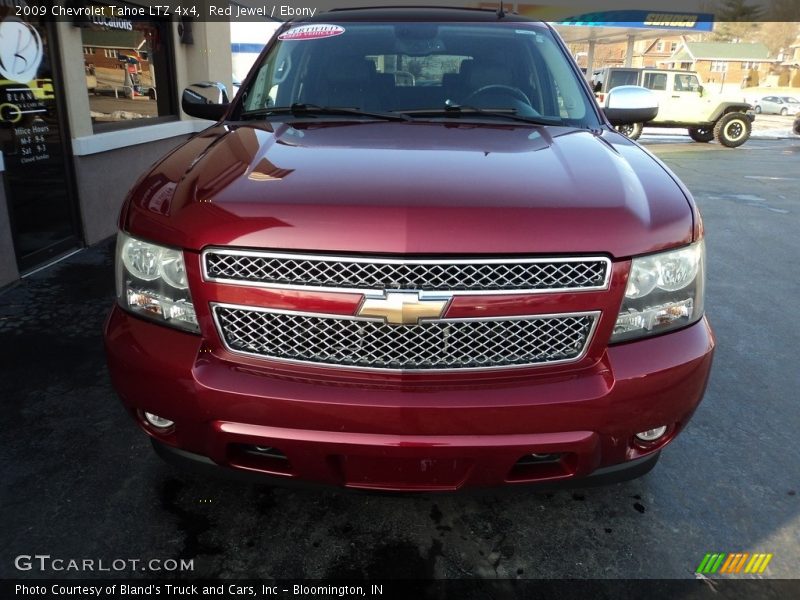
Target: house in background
<point>113,49</point>
<point>722,62</point>
<point>648,53</point>
<point>790,65</point>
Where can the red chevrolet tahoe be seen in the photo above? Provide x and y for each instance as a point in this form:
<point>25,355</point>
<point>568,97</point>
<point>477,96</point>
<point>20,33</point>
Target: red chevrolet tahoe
<point>412,254</point>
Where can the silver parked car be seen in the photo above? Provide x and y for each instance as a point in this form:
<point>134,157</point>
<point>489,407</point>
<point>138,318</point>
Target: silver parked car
<point>778,105</point>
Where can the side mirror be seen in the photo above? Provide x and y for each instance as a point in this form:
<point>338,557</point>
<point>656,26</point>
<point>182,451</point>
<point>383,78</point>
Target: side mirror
<point>628,104</point>
<point>205,100</point>
<point>700,89</point>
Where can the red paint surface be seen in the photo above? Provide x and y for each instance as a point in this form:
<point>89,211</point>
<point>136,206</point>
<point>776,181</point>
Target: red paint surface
<point>411,189</point>
<point>330,425</point>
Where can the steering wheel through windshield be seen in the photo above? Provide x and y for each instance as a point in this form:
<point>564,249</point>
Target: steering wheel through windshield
<point>496,88</point>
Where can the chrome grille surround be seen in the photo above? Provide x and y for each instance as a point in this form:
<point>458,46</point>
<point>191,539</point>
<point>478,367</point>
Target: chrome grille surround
<point>433,345</point>
<point>473,276</point>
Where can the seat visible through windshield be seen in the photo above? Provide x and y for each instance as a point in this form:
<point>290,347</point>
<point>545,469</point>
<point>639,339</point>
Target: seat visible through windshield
<point>418,66</point>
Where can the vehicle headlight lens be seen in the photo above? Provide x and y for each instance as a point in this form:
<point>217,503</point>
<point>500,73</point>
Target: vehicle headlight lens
<point>173,270</point>
<point>152,282</point>
<point>141,259</point>
<point>677,269</point>
<point>643,278</point>
<point>664,292</point>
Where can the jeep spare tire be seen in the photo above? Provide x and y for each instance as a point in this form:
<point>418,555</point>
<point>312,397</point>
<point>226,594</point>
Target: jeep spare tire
<point>632,130</point>
<point>701,134</point>
<point>733,129</point>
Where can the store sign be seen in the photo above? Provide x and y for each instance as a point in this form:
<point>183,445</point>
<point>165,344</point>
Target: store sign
<point>113,23</point>
<point>18,101</point>
<point>32,142</point>
<point>40,200</point>
<point>641,19</point>
<point>21,50</point>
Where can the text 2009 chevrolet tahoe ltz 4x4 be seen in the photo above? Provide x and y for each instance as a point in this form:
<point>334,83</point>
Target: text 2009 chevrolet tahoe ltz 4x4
<point>412,254</point>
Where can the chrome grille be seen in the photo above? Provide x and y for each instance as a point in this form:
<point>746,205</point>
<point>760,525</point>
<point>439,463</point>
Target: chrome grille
<point>447,275</point>
<point>431,345</point>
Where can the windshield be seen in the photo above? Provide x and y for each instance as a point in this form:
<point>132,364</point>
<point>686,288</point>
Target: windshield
<point>518,68</point>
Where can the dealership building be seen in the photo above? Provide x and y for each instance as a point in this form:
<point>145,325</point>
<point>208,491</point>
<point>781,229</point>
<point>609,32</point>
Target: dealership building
<point>87,103</point>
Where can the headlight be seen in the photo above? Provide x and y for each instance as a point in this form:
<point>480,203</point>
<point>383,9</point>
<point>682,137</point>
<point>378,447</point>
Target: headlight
<point>664,292</point>
<point>151,282</point>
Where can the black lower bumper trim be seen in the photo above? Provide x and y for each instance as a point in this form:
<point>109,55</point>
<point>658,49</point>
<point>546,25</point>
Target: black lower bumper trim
<point>202,465</point>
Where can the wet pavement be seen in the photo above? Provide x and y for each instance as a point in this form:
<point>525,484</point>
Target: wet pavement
<point>80,480</point>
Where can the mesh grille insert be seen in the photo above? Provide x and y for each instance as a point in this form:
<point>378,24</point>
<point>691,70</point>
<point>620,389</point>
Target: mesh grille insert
<point>344,273</point>
<point>440,344</point>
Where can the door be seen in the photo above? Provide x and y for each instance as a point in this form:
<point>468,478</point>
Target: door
<point>681,101</point>
<point>767,104</point>
<point>657,82</point>
<point>792,105</point>
<point>33,138</point>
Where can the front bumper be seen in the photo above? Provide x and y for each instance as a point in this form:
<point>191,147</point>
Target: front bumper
<point>410,437</point>
<point>204,466</point>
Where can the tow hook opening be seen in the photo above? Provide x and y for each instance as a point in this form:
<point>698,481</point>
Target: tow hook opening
<point>540,466</point>
<point>261,458</point>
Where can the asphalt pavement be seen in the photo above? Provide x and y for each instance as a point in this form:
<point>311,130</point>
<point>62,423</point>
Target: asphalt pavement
<point>80,480</point>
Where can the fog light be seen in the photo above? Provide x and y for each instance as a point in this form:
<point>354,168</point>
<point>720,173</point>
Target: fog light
<point>158,422</point>
<point>651,435</point>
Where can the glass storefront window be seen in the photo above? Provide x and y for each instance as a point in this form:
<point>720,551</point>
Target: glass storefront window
<point>128,71</point>
<point>33,142</point>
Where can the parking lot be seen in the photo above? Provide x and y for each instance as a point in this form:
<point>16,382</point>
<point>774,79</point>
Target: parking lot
<point>81,481</point>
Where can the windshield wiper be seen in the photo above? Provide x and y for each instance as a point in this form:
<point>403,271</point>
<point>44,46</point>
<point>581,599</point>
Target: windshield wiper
<point>456,110</point>
<point>312,110</point>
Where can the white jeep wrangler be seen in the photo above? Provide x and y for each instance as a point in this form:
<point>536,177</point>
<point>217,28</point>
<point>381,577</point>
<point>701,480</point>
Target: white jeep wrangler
<point>683,102</point>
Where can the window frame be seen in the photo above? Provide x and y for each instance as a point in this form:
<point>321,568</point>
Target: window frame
<point>719,66</point>
<point>167,93</point>
<point>654,75</point>
<point>688,76</point>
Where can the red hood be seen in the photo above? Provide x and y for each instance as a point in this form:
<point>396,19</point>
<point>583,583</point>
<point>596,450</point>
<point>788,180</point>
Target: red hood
<point>411,188</point>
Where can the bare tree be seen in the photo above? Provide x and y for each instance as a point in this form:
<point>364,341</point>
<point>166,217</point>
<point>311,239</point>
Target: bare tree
<point>776,35</point>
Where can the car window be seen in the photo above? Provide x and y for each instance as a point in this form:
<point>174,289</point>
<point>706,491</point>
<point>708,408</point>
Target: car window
<point>617,78</point>
<point>685,83</point>
<point>416,66</point>
<point>655,81</point>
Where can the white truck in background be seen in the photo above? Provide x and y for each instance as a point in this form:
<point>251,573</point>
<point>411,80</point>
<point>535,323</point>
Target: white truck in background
<point>683,102</point>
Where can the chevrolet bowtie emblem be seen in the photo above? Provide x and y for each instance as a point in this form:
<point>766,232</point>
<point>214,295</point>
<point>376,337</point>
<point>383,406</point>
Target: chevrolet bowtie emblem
<point>402,308</point>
